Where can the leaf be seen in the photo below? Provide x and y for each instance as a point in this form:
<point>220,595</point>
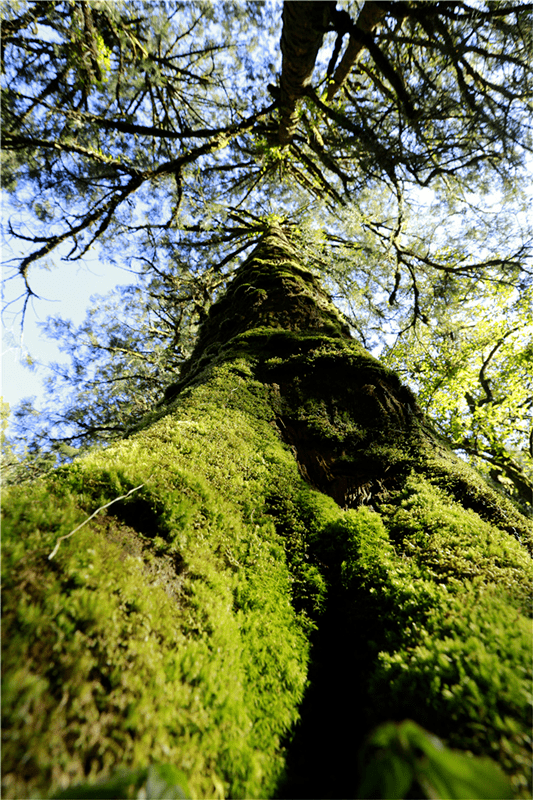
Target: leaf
<point>165,782</point>
<point>158,782</point>
<point>388,776</point>
<point>455,776</point>
<point>405,752</point>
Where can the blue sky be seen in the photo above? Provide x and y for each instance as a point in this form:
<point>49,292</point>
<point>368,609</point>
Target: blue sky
<point>63,290</point>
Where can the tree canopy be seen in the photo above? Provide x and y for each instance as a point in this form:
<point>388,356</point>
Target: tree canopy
<point>394,138</point>
<point>114,111</point>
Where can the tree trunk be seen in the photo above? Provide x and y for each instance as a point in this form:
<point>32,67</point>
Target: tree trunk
<point>298,520</point>
<point>304,26</point>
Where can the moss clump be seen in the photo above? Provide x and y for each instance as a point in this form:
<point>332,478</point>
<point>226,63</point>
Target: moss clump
<point>271,291</point>
<point>442,602</point>
<point>164,629</point>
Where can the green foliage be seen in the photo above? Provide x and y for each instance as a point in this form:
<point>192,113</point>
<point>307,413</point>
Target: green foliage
<point>120,360</point>
<point>398,756</point>
<point>472,373</point>
<point>158,782</point>
<point>134,97</point>
<point>145,127</point>
<point>20,461</point>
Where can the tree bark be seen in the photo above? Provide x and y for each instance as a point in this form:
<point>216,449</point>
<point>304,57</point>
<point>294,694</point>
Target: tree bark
<point>304,26</point>
<point>369,18</point>
<point>297,518</point>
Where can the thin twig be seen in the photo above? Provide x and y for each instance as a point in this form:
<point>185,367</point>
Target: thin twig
<point>122,497</point>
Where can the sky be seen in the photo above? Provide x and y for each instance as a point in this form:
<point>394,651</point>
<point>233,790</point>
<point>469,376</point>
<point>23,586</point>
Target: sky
<point>63,290</point>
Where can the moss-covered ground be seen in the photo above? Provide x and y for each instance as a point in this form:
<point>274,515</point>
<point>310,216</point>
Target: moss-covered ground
<point>303,560</point>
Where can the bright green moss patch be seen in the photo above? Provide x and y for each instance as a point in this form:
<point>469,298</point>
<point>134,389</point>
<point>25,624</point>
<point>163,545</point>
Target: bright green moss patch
<point>451,543</point>
<point>175,626</point>
<point>163,630</point>
<point>442,605</point>
<point>470,490</point>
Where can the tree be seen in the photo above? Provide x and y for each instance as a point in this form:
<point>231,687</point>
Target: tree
<point>440,94</point>
<point>471,374</point>
<point>475,376</point>
<point>288,493</point>
<point>110,381</point>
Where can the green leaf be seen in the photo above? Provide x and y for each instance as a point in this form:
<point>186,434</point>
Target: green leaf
<point>455,776</point>
<point>396,755</point>
<point>388,776</point>
<point>158,782</point>
<point>165,782</point>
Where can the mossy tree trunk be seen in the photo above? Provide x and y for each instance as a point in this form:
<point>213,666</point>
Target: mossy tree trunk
<point>298,522</point>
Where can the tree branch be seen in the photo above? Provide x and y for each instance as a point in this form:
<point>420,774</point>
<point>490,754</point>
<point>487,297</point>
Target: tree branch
<point>304,26</point>
<point>369,18</point>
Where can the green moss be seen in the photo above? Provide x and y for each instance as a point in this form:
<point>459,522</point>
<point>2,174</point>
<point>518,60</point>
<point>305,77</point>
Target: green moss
<point>291,492</point>
<point>451,595</point>
<point>199,661</point>
<point>471,491</point>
